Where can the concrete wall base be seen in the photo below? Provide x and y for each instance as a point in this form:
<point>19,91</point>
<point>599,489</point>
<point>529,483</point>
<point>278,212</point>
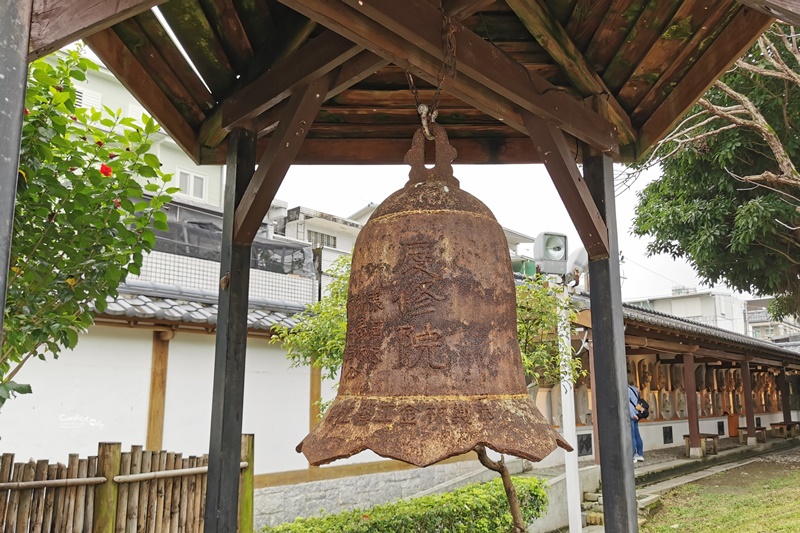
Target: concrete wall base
<point>752,441</point>
<point>557,516</point>
<point>696,453</point>
<point>274,505</point>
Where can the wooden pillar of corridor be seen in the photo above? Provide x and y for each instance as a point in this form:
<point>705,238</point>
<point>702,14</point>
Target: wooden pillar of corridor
<point>690,386</point>
<point>786,404</point>
<point>749,412</point>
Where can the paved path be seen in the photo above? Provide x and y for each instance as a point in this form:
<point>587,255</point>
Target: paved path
<point>672,458</point>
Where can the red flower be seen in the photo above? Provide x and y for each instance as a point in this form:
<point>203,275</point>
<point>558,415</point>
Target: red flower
<point>112,156</point>
<point>59,88</point>
<point>72,168</point>
<point>25,110</point>
<point>105,170</point>
<point>99,143</point>
<point>116,202</point>
<point>73,117</point>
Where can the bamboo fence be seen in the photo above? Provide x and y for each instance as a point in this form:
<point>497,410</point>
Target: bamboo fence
<point>139,491</point>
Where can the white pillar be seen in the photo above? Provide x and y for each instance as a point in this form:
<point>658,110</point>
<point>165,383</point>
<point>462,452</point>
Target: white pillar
<point>568,428</point>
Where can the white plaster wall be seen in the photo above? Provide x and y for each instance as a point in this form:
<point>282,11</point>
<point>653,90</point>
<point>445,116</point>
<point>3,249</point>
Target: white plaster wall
<point>275,403</point>
<point>97,392</point>
<point>100,392</point>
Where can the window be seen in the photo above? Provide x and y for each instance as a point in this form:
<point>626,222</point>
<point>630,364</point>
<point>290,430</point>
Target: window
<point>192,184</point>
<point>321,239</point>
<point>135,111</point>
<point>87,98</point>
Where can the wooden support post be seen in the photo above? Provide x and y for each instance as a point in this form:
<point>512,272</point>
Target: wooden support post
<point>612,415</point>
<point>15,21</point>
<point>786,404</point>
<point>109,460</point>
<point>228,399</point>
<point>691,405</point>
<point>747,388</point>
<point>158,390</point>
<point>315,396</point>
<point>246,523</point>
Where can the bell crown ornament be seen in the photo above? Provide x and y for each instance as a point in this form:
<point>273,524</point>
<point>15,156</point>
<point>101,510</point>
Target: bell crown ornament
<point>432,366</point>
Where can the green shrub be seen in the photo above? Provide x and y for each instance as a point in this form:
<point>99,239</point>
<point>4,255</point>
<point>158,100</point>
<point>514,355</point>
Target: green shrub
<point>476,508</point>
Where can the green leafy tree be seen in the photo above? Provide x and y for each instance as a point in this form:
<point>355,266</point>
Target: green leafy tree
<point>729,197</point>
<point>542,309</point>
<point>88,194</point>
<point>318,338</point>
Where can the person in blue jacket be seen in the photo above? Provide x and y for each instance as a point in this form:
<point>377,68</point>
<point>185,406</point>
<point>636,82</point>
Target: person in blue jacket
<point>636,438</point>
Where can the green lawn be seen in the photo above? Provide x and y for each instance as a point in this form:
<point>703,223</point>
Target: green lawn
<point>759,497</point>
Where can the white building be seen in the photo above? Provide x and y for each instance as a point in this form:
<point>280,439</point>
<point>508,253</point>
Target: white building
<point>709,307</point>
<point>761,325</point>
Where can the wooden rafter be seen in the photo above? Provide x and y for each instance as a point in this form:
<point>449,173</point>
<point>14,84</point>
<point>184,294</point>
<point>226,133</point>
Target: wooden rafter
<point>555,40</point>
<point>317,58</point>
<point>292,129</point>
<point>350,73</point>
<point>355,68</point>
<point>494,150</point>
<point>56,23</point>
<point>419,24</point>
<point>374,37</point>
<point>692,21</point>
<point>138,81</point>
<point>737,36</point>
<point>560,163</point>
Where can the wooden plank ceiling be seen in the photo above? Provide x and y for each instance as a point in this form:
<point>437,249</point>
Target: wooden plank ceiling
<point>648,59</point>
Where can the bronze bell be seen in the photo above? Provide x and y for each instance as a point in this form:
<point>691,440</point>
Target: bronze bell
<point>432,365</point>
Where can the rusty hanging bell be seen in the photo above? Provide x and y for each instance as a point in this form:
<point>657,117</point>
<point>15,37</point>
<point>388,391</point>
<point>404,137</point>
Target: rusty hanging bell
<point>432,365</point>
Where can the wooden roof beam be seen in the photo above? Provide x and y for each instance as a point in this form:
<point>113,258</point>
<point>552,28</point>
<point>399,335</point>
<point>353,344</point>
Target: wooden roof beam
<point>304,105</point>
<point>659,345</point>
<point>137,80</point>
<point>374,37</point>
<point>56,23</point>
<point>420,24</point>
<point>563,169</point>
<point>317,58</point>
<point>358,66</point>
<point>722,355</point>
<point>786,10</point>
<point>535,15</point>
<point>372,151</point>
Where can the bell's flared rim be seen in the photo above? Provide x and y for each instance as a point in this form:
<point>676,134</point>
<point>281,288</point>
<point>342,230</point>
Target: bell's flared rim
<point>423,430</point>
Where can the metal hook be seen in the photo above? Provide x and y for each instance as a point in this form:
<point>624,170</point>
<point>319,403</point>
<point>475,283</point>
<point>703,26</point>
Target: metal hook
<point>427,118</point>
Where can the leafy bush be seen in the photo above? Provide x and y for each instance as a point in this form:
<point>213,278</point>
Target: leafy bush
<point>89,194</point>
<point>476,508</point>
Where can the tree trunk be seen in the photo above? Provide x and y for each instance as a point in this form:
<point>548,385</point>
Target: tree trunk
<point>511,493</point>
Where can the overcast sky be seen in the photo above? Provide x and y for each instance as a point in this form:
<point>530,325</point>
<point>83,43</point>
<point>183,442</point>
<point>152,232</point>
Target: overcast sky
<point>522,198</point>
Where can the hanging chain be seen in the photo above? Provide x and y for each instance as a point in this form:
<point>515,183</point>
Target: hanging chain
<point>427,113</point>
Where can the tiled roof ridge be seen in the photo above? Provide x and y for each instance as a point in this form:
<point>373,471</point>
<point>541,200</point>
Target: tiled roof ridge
<point>156,301</point>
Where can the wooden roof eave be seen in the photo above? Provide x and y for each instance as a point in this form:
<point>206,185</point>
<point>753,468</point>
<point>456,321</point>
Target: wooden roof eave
<point>58,23</point>
<point>732,42</point>
<point>139,82</point>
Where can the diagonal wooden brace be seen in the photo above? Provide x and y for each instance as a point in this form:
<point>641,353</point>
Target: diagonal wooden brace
<point>557,157</point>
<point>292,129</point>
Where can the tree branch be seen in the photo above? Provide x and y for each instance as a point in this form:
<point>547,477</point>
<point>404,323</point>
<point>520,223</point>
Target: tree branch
<point>758,124</point>
<point>511,493</point>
